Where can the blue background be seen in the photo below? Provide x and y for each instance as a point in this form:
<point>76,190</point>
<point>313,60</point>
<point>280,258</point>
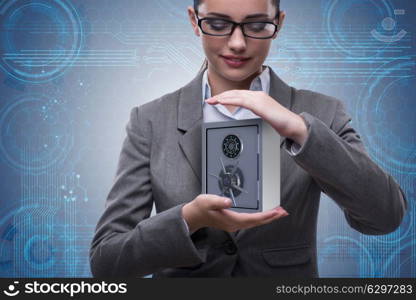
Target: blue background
<point>70,71</point>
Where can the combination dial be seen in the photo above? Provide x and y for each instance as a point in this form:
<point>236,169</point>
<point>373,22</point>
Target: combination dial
<point>231,146</point>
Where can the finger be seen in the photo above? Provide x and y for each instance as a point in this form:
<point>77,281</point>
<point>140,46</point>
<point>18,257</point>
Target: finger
<point>244,219</point>
<point>217,202</point>
<point>281,210</point>
<point>236,101</point>
<point>277,213</point>
<point>264,221</point>
<point>251,219</point>
<point>266,214</point>
<point>221,98</point>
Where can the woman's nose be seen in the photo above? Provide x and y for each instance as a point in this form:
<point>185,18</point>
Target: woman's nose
<point>237,40</point>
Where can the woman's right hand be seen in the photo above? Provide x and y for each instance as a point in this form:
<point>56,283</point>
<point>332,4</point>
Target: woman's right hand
<point>211,210</point>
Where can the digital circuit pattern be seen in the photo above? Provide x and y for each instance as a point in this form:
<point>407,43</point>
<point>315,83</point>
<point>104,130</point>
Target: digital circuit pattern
<point>71,70</point>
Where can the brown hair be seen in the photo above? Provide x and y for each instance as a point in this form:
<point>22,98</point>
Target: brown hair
<point>275,2</point>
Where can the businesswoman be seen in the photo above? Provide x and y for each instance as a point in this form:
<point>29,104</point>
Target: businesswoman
<point>195,235</point>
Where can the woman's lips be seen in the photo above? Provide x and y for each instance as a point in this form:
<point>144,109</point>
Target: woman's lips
<point>235,63</point>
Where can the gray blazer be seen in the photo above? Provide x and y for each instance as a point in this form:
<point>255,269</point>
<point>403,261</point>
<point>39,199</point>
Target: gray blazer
<point>160,162</point>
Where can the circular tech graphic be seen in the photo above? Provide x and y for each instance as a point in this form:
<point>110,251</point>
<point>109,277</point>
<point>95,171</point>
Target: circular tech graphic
<point>349,25</point>
<point>231,182</point>
<point>401,262</point>
<point>232,146</point>
<point>386,117</point>
<point>26,242</point>
<point>35,133</point>
<point>342,256</point>
<point>39,39</point>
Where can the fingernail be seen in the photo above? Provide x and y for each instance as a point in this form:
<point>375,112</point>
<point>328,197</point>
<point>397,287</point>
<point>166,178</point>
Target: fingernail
<point>227,201</point>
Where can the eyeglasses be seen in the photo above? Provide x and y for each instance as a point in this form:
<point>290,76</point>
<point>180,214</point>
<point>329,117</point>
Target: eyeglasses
<point>222,27</point>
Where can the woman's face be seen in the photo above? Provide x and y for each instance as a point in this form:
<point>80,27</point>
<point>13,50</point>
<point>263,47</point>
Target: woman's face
<point>215,48</point>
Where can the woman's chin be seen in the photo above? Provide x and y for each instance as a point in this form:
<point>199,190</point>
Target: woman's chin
<point>237,75</point>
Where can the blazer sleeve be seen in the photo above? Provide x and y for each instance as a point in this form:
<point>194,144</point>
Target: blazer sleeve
<point>127,241</point>
<point>372,201</point>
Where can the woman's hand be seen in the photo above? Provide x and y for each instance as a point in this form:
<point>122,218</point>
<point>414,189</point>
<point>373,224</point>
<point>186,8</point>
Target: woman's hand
<point>211,210</point>
<point>285,122</point>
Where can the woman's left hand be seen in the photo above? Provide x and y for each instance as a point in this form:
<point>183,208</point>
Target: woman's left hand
<point>285,122</point>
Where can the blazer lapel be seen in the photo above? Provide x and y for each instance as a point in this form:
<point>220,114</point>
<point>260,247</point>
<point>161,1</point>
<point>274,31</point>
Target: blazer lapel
<point>279,90</point>
<point>190,119</point>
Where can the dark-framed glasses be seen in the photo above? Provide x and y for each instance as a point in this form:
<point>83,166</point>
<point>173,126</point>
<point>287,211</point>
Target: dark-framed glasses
<point>222,27</point>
